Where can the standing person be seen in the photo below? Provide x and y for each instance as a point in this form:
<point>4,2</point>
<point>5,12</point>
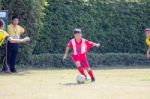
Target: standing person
<point>147,40</point>
<point>80,47</point>
<point>14,30</point>
<point>5,37</point>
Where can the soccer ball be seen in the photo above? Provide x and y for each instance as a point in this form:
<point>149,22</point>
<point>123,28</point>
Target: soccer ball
<point>80,79</point>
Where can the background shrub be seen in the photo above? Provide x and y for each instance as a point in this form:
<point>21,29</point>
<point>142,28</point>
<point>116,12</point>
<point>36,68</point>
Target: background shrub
<point>117,24</point>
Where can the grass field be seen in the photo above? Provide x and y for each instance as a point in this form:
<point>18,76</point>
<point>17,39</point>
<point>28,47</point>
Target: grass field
<point>61,84</point>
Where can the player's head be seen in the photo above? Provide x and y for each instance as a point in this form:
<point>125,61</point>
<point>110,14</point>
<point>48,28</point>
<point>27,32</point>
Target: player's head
<point>1,24</point>
<point>77,33</point>
<point>15,20</point>
<point>147,32</point>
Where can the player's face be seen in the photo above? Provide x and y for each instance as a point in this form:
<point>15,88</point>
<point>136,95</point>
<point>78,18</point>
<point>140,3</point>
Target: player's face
<point>78,36</point>
<point>148,34</point>
<point>2,27</point>
<point>15,21</point>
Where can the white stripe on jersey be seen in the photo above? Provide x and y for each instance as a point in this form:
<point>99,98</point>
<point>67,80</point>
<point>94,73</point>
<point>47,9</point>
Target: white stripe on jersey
<point>83,46</point>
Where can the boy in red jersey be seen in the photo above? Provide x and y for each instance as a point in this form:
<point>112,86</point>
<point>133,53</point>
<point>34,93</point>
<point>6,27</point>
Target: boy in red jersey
<point>80,47</point>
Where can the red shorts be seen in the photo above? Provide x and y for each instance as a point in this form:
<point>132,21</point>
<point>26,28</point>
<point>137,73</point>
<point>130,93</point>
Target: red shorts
<point>82,59</point>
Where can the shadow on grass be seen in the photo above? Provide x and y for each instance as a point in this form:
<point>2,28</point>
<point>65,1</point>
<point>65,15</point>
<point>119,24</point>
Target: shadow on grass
<point>71,84</point>
<point>19,73</point>
<point>75,84</point>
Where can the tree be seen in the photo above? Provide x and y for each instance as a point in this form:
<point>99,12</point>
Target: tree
<point>30,14</point>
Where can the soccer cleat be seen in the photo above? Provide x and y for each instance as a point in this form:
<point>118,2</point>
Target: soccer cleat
<point>92,79</point>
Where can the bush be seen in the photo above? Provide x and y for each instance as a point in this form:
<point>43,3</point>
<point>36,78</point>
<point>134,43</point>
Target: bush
<point>30,13</point>
<point>117,24</point>
<point>95,60</point>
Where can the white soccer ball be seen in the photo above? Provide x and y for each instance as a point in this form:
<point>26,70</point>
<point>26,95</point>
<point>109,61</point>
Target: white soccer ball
<point>80,79</point>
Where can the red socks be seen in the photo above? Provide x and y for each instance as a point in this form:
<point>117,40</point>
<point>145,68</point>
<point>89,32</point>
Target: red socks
<point>80,69</point>
<point>91,74</point>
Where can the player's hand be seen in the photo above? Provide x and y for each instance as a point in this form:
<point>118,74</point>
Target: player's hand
<point>97,45</point>
<point>65,56</point>
<point>26,39</point>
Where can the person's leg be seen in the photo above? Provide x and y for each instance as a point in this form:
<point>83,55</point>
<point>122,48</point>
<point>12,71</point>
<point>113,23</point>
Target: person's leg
<point>5,67</point>
<point>90,72</point>
<point>13,60</point>
<point>85,64</point>
<point>12,54</point>
<point>78,65</point>
<point>80,68</point>
<point>9,54</point>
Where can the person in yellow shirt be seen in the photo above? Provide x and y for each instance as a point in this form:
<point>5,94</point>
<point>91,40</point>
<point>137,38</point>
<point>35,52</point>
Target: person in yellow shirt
<point>147,40</point>
<point>14,30</point>
<point>4,38</point>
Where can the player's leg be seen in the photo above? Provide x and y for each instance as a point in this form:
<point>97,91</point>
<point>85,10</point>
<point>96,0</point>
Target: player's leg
<point>5,64</point>
<point>78,65</point>
<point>3,57</point>
<point>85,64</point>
<point>80,68</point>
<point>90,72</point>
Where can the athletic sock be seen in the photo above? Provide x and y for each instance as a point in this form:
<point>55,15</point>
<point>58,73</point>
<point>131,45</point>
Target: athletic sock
<point>91,74</point>
<point>80,69</point>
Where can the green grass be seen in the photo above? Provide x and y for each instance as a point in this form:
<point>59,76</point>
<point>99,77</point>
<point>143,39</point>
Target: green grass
<point>61,84</point>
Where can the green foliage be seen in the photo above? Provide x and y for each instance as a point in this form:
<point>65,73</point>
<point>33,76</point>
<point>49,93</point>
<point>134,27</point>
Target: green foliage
<point>30,14</point>
<point>95,60</point>
<point>117,24</point>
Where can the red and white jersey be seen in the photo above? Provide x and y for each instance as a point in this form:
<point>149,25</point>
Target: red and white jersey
<point>80,47</point>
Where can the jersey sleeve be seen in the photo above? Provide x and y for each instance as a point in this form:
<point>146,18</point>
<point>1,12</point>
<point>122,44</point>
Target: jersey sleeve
<point>69,44</point>
<point>89,44</point>
<point>3,37</point>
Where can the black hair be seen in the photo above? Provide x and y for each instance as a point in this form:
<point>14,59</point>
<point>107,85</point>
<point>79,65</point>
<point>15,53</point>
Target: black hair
<point>1,22</point>
<point>14,17</point>
<point>76,32</point>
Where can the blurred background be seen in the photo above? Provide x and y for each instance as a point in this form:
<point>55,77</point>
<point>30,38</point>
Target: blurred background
<point>118,25</point>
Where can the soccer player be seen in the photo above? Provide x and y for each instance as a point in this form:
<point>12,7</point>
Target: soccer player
<point>147,40</point>
<point>80,47</point>
<point>4,38</point>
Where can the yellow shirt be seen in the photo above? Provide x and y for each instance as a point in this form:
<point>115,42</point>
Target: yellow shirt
<point>3,36</point>
<point>15,32</point>
<point>147,40</point>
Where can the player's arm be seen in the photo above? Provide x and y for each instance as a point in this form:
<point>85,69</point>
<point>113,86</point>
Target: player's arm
<point>148,53</point>
<point>69,45</point>
<point>66,53</point>
<point>96,44</point>
<point>92,44</point>
<point>12,40</point>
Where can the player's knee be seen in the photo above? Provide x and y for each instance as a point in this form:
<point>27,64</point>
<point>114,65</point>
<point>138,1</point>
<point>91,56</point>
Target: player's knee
<point>78,64</point>
<point>88,69</point>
